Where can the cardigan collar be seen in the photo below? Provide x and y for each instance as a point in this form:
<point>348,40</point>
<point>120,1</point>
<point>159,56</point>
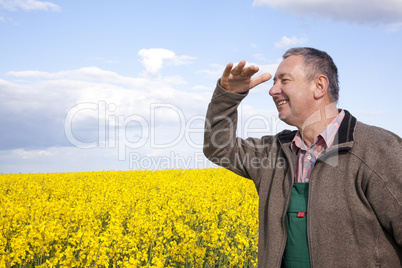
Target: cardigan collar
<point>344,135</point>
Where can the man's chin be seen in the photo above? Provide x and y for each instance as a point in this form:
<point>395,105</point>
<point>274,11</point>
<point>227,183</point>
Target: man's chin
<point>282,117</point>
<point>285,118</point>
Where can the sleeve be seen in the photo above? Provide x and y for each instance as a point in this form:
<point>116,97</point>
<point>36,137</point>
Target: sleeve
<point>384,191</point>
<point>221,146</point>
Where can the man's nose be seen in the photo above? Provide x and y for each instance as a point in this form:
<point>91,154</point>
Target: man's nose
<point>274,90</point>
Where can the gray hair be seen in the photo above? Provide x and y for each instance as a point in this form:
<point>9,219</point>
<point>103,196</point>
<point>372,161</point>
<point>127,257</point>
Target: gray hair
<point>318,62</point>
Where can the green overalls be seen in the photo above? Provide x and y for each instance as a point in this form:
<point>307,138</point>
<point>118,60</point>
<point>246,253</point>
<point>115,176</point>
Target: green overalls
<point>296,253</point>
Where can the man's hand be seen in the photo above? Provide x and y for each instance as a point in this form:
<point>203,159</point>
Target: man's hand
<point>238,79</point>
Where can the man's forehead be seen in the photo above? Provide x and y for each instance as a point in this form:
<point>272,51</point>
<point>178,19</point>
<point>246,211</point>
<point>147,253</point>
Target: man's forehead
<point>289,66</point>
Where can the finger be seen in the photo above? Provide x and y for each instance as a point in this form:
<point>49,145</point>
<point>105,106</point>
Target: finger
<point>239,67</point>
<point>228,69</point>
<point>249,71</point>
<point>260,79</point>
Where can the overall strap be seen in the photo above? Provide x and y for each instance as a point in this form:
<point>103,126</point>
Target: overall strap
<point>296,253</point>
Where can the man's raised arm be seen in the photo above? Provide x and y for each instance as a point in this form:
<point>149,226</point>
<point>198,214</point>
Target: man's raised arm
<point>220,143</point>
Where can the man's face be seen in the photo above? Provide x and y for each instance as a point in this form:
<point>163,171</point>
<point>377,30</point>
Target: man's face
<point>292,93</point>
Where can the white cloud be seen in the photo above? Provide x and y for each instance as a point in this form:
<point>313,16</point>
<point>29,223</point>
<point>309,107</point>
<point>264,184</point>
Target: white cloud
<point>38,103</point>
<point>90,73</point>
<point>215,71</point>
<point>286,42</point>
<point>35,90</point>
<point>393,28</point>
<point>24,154</point>
<point>153,59</point>
<point>259,57</point>
<point>370,12</point>
<point>43,109</point>
<point>14,5</point>
<point>59,159</point>
<point>200,87</point>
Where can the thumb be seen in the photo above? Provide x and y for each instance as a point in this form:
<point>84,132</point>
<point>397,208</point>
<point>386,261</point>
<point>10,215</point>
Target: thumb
<point>260,79</point>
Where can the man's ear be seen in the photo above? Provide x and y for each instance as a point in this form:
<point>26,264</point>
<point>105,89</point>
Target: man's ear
<point>321,86</point>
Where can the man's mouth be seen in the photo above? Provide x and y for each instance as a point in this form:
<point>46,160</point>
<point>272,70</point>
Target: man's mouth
<point>282,102</point>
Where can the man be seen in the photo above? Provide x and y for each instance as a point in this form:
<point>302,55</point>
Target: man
<point>333,196</point>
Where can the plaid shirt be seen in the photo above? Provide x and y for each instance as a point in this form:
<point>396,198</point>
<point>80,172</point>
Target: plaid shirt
<point>306,157</point>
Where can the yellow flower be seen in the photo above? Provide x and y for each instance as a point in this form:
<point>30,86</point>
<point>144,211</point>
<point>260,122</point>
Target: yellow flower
<point>169,218</point>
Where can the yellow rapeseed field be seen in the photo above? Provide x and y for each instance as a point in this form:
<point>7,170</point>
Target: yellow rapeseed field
<point>170,218</point>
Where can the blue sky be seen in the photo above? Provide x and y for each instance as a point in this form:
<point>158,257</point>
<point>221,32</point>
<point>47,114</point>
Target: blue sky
<point>118,85</point>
